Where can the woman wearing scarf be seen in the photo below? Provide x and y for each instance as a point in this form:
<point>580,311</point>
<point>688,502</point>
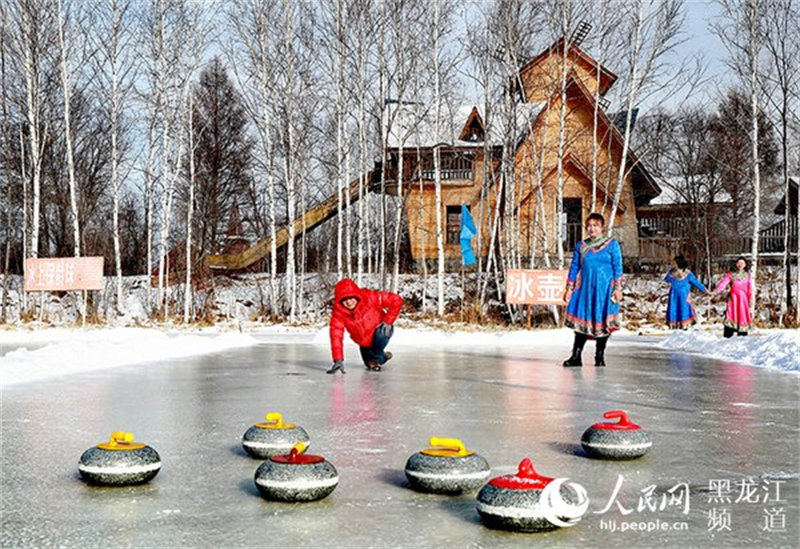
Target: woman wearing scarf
<point>680,309</point>
<point>594,290</point>
<point>740,301</point>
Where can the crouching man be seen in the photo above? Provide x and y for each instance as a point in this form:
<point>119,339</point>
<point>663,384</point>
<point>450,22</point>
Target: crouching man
<point>367,315</point>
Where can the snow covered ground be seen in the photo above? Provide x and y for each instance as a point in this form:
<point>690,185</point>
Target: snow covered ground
<point>245,299</point>
<point>776,349</point>
<point>63,352</point>
<point>31,355</point>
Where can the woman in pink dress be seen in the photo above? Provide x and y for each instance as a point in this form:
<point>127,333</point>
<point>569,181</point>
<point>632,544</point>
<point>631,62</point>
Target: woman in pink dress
<point>738,316</point>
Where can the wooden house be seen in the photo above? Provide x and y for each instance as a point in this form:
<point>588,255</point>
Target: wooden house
<point>530,136</point>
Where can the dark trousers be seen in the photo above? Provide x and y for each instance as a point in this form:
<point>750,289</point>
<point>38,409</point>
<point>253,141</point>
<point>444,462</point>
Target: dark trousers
<point>580,341</point>
<point>375,351</point>
<point>727,332</point>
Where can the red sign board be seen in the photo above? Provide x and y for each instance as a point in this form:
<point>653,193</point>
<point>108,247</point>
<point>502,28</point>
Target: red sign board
<point>535,287</point>
<point>63,274</point>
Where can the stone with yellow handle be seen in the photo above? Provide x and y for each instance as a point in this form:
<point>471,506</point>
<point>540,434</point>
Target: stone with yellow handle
<point>273,437</point>
<point>447,467</point>
<point>119,462</point>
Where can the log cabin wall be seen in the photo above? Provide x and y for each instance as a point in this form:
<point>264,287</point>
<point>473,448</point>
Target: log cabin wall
<point>540,83</point>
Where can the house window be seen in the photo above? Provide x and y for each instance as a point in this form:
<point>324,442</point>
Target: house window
<point>572,226</point>
<point>453,224</point>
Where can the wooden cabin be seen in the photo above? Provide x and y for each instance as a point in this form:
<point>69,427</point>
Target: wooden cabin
<point>531,135</point>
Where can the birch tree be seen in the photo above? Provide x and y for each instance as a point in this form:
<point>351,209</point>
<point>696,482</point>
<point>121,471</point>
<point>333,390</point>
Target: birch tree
<point>565,25</point>
<point>782,47</point>
<point>66,43</point>
<point>187,298</point>
<point>741,33</point>
<point>253,23</point>
<point>33,23</point>
<point>116,72</point>
<point>437,162</point>
<point>654,27</point>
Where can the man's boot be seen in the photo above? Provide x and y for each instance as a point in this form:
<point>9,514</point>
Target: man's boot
<point>599,352</point>
<point>577,349</point>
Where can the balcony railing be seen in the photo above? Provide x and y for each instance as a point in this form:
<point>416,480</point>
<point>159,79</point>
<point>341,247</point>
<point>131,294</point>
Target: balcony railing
<point>430,175</point>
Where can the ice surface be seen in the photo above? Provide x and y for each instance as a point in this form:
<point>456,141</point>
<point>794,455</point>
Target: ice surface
<point>504,401</point>
<point>779,349</point>
<point>416,337</point>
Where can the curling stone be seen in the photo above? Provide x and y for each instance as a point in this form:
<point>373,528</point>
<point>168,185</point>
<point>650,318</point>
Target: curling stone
<point>272,438</point>
<point>296,476</point>
<point>119,462</point>
<point>529,502</point>
<point>623,440</point>
<point>446,468</point>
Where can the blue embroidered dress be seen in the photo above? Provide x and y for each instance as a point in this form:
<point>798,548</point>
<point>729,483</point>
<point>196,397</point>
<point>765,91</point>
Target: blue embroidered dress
<point>680,310</point>
<point>594,274</point>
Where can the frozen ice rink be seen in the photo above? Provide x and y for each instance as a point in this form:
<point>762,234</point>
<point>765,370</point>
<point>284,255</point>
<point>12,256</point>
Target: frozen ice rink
<point>725,438</point>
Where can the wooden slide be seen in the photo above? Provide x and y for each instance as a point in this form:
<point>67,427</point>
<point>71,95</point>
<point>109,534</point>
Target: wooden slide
<point>311,218</point>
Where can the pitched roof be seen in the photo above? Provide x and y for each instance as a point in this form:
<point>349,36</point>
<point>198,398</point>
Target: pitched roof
<point>607,78</point>
<point>674,191</point>
<point>780,208</point>
<point>416,123</point>
<point>474,118</point>
<point>647,187</point>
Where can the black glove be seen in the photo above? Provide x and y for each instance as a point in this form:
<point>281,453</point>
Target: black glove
<point>337,365</point>
<point>384,330</point>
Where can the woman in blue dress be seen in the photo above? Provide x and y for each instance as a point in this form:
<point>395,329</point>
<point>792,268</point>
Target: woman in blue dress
<point>594,290</point>
<point>680,309</point>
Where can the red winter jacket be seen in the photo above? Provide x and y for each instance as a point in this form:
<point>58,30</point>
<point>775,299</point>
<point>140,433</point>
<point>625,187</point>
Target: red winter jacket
<point>373,307</point>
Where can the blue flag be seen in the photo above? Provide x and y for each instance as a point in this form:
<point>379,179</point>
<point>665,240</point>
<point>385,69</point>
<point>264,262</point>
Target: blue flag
<point>467,233</point>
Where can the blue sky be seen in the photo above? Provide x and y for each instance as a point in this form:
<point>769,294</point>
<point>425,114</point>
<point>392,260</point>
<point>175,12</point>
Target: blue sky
<point>698,38</point>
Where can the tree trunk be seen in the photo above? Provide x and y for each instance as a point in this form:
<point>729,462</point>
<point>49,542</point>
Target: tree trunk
<point>437,164</point>
<point>30,69</point>
<point>637,40</point>
<point>66,89</point>
<point>753,48</point>
<point>115,100</point>
<point>562,122</point>
<point>187,294</point>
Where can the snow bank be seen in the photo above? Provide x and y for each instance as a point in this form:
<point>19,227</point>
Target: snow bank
<point>778,349</point>
<point>73,351</point>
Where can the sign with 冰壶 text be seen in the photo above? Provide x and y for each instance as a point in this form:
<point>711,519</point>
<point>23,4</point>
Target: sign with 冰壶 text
<point>60,274</point>
<point>534,287</point>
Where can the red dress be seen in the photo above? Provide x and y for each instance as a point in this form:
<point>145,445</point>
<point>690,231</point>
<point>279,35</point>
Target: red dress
<point>373,307</point>
<point>737,316</point>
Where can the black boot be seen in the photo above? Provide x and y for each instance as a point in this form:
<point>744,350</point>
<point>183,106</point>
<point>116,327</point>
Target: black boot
<point>577,349</point>
<point>599,351</point>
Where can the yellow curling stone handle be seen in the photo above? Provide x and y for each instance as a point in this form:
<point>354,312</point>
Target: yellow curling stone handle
<point>447,447</point>
<point>299,447</point>
<point>275,421</point>
<point>121,440</point>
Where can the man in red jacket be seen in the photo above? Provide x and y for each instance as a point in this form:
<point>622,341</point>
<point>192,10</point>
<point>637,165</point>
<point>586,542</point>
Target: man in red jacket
<point>368,316</point>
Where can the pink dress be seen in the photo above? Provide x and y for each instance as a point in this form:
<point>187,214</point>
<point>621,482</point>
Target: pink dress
<point>738,314</point>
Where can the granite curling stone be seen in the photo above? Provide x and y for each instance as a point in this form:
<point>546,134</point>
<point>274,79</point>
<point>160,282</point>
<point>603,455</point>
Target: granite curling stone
<point>623,440</point>
<point>446,468</point>
<point>272,438</point>
<point>119,462</point>
<point>529,502</point>
<point>296,477</point>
